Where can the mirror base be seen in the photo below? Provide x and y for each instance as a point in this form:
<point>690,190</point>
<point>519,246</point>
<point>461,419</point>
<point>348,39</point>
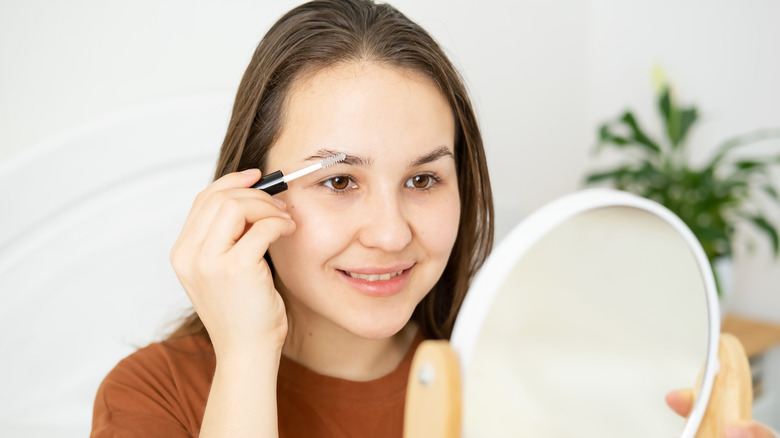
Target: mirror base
<point>434,399</point>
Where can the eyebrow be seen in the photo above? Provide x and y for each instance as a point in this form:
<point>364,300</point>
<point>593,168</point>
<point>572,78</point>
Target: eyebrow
<point>363,161</point>
<point>351,160</point>
<point>433,156</point>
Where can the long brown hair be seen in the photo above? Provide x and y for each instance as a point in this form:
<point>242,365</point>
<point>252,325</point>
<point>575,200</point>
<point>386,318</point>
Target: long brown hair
<point>319,34</point>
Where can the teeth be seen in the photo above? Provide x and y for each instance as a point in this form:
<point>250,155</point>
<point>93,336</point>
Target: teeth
<point>374,277</point>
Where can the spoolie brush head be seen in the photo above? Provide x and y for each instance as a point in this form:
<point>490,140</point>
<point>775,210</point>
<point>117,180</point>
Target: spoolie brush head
<point>332,160</point>
<point>277,182</point>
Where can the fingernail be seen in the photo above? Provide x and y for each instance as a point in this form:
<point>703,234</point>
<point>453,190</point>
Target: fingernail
<point>248,171</point>
<point>736,432</point>
<point>279,203</point>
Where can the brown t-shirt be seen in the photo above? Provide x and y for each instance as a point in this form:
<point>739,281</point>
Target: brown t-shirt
<point>161,391</point>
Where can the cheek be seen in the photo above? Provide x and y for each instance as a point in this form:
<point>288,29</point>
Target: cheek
<point>319,234</point>
<point>437,226</point>
<point>325,229</point>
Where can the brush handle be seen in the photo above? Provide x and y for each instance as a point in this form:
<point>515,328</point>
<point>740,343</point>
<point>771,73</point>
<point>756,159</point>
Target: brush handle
<point>279,187</point>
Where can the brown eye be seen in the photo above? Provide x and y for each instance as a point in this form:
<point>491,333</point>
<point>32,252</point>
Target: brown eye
<point>420,181</point>
<point>338,183</point>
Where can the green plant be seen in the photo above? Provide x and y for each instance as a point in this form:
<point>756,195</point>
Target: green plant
<point>710,198</point>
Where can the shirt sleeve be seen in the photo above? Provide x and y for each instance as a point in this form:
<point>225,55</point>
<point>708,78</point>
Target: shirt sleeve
<point>139,398</point>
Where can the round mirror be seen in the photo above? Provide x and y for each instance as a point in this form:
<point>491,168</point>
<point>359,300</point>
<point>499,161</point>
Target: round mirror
<point>583,318</point>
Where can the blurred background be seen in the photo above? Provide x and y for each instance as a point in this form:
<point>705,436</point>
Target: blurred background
<point>543,77</point>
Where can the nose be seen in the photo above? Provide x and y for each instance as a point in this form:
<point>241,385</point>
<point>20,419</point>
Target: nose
<point>385,224</point>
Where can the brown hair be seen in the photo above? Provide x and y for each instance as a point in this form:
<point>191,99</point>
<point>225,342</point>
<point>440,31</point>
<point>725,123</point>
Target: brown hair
<point>319,34</point>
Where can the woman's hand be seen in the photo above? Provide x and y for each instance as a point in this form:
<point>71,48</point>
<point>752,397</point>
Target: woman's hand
<point>218,258</point>
<point>681,402</point>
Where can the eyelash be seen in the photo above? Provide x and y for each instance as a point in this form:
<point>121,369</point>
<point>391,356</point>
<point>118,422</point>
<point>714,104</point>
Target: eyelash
<point>434,180</point>
<point>328,183</point>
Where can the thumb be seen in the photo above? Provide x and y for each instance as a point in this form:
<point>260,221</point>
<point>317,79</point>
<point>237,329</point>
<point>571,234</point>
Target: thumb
<point>681,401</point>
<point>748,430</point>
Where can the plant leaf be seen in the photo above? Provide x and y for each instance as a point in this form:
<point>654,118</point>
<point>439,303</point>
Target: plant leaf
<point>741,140</point>
<point>606,136</point>
<point>749,164</point>
<point>678,120</point>
<point>714,239</point>
<point>772,192</point>
<point>665,104</point>
<point>638,135</point>
<point>687,118</point>
<point>769,230</point>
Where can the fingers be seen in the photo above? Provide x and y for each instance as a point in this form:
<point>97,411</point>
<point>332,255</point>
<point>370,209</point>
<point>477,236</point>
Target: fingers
<point>232,208</point>
<point>681,401</point>
<point>230,181</point>
<point>228,197</point>
<point>235,216</point>
<point>235,180</point>
<point>760,431</point>
<point>221,215</point>
<point>748,430</point>
<point>256,240</point>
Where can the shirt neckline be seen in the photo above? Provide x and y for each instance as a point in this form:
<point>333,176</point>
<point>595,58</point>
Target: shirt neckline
<point>297,377</point>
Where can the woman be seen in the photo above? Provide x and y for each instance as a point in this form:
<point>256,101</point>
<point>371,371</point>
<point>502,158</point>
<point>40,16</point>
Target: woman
<point>362,260</point>
<point>310,304</point>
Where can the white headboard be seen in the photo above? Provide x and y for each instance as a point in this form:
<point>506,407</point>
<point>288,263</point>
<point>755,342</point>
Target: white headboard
<point>86,223</point>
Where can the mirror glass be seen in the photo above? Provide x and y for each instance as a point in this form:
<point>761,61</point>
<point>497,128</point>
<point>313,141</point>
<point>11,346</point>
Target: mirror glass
<point>584,331</point>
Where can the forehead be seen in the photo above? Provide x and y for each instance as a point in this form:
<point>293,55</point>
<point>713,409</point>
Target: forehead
<point>365,107</point>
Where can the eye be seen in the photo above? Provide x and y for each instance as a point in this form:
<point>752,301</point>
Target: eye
<point>422,181</point>
<point>338,183</point>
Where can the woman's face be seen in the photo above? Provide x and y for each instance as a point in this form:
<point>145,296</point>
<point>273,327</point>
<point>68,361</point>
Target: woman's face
<point>374,232</point>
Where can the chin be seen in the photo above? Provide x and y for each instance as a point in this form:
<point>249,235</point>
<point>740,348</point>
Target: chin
<point>378,328</point>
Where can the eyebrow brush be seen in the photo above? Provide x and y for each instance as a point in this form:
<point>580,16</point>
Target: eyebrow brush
<point>276,182</point>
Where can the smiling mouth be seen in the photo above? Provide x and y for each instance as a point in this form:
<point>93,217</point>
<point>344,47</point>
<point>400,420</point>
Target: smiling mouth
<point>374,277</point>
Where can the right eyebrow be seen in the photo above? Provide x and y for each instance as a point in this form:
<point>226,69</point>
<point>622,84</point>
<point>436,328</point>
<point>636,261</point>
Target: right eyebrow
<point>433,156</point>
<point>350,160</point>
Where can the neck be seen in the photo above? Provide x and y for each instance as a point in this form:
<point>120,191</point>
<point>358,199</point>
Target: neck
<point>333,351</point>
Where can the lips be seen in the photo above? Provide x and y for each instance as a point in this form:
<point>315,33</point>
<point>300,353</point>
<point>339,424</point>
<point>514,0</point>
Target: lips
<point>378,282</point>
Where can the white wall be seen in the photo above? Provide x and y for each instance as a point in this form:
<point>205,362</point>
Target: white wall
<point>65,63</point>
<point>721,56</point>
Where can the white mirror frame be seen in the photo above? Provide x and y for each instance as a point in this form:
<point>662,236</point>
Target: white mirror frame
<point>524,236</point>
